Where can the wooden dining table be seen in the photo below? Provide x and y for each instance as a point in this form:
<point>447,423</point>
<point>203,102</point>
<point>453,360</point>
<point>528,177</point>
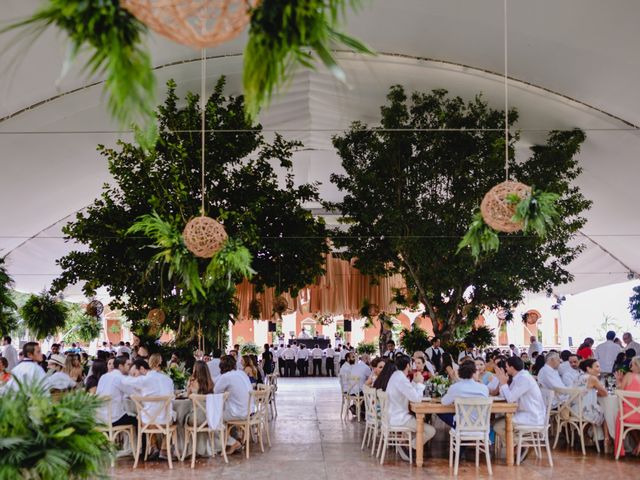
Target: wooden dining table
<point>433,406</point>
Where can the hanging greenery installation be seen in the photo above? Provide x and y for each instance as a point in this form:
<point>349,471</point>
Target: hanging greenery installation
<point>44,315</point>
<point>8,318</point>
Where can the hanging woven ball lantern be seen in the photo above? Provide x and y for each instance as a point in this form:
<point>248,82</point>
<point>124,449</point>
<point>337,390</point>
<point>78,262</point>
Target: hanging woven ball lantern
<point>204,236</point>
<point>194,23</point>
<point>95,308</point>
<point>255,309</point>
<point>156,316</point>
<point>497,210</point>
<point>280,305</point>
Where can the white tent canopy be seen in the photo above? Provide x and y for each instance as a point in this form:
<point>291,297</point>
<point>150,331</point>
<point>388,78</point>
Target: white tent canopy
<point>572,63</point>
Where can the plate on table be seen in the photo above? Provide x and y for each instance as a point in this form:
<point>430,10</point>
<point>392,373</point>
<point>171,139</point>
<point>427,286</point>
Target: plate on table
<point>498,399</point>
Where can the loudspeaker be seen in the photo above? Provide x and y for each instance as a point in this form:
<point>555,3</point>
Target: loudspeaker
<point>272,326</point>
<point>347,325</point>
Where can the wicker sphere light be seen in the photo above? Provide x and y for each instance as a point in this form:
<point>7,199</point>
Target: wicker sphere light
<point>194,23</point>
<point>497,210</point>
<point>204,236</point>
<point>156,316</point>
<point>95,308</point>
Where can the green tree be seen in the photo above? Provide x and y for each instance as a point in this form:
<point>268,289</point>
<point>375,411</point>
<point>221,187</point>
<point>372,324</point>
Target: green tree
<point>409,198</point>
<point>242,189</point>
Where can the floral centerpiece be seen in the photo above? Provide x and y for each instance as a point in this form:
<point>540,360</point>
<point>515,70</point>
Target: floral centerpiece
<point>437,386</point>
<point>179,375</point>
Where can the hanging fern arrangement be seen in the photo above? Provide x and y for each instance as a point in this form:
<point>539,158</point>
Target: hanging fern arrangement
<point>286,34</point>
<point>46,440</point>
<point>89,328</point>
<point>414,339</point>
<point>8,318</point>
<point>43,315</point>
<point>537,212</point>
<point>634,304</point>
<point>480,337</point>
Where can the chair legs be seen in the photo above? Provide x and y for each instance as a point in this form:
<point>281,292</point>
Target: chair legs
<point>138,445</point>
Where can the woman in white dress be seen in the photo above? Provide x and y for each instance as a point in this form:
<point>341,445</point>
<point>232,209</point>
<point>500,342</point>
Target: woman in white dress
<point>591,409</point>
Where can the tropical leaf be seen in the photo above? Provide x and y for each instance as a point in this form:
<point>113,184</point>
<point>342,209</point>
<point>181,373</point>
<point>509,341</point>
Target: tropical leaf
<point>538,212</point>
<point>480,237</point>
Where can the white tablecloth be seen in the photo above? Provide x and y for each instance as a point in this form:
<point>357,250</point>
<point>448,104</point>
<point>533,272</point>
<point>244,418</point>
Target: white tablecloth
<point>610,406</point>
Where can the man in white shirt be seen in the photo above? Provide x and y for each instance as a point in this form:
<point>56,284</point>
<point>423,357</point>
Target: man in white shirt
<point>434,353</point>
<point>361,370</point>
<point>302,360</point>
<point>627,338</point>
<point>515,351</point>
<point>288,356</point>
<point>524,391</point>
<point>237,383</point>
<point>343,355</point>
<point>9,352</point>
<point>345,369</point>
<point>607,352</point>
<point>150,381</point>
<point>316,357</point>
<point>56,378</point>
<point>29,369</point>
<point>570,370</point>
<point>400,392</point>
<point>113,384</point>
<point>549,377</point>
<point>535,346</point>
<point>329,365</point>
<point>214,364</point>
<point>466,387</point>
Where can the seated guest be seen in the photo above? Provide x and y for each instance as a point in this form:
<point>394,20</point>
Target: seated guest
<point>57,379</point>
<point>619,363</point>
<point>214,364</point>
<point>591,409</point>
<point>629,382</point>
<point>200,382</point>
<point>538,364</point>
<point>5,376</point>
<point>345,369</point>
<point>524,391</point>
<point>570,375</point>
<point>400,391</point>
<point>490,363</point>
<point>29,369</point>
<point>98,368</point>
<point>548,376</point>
<point>377,364</point>
<point>239,387</point>
<point>382,380</point>
<point>73,368</point>
<point>564,362</point>
<point>486,378</point>
<point>465,387</point>
<point>427,364</point>
<point>629,354</point>
<point>249,368</point>
<point>420,369</point>
<point>449,367</point>
<point>112,384</point>
<point>361,370</point>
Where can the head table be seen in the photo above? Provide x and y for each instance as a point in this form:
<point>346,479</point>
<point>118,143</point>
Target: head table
<point>428,406</point>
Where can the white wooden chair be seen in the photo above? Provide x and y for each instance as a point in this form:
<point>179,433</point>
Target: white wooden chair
<point>272,379</point>
<point>473,417</point>
<point>155,416</point>
<point>344,393</point>
<point>372,418</point>
<point>535,436</point>
<point>253,421</point>
<point>263,408</point>
<point>391,436</point>
<point>200,425</point>
<point>352,384</point>
<point>630,401</point>
<point>570,416</point>
<point>112,432</point>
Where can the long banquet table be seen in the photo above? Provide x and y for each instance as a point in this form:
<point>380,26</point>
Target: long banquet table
<point>426,407</point>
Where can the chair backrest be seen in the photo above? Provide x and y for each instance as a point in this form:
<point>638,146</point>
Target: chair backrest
<point>370,403</point>
<point>549,396</point>
<point>260,399</point>
<point>473,414</point>
<point>383,405</point>
<point>107,411</point>
<point>353,384</point>
<point>628,405</point>
<point>570,402</point>
<point>272,379</point>
<point>199,404</point>
<point>153,411</point>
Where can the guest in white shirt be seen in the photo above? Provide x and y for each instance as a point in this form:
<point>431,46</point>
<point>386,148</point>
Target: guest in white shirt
<point>9,352</point>
<point>329,365</point>
<point>607,352</point>
<point>150,381</point>
<point>113,384</point>
<point>515,351</point>
<point>57,379</point>
<point>28,370</point>
<point>362,371</point>
<point>400,392</point>
<point>467,386</point>
<point>524,391</point>
<point>237,383</point>
<point>571,375</point>
<point>535,346</point>
<point>548,377</point>
<point>343,355</point>
<point>627,338</point>
<point>345,370</point>
<point>214,364</point>
<point>316,357</point>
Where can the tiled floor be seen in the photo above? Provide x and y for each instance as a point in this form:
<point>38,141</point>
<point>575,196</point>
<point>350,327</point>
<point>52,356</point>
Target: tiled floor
<point>311,442</point>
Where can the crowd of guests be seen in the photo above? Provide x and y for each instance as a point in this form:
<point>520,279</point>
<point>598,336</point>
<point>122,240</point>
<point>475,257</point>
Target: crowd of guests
<point>123,371</point>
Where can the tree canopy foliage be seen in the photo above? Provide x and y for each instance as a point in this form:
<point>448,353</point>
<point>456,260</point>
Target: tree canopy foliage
<point>243,191</point>
<point>409,198</point>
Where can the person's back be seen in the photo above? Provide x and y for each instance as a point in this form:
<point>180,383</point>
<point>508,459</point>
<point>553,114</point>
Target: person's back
<point>607,352</point>
<point>362,371</point>
<point>156,384</point>
<point>400,391</point>
<point>237,383</point>
<point>214,367</point>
